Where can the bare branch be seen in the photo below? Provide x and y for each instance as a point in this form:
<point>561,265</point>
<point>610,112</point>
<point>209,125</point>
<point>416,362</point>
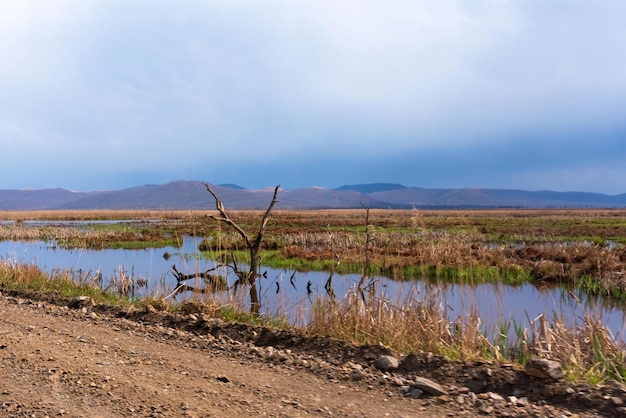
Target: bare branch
<point>368,240</point>
<point>266,217</point>
<point>219,206</point>
<point>212,282</point>
<point>198,275</point>
<point>253,247</point>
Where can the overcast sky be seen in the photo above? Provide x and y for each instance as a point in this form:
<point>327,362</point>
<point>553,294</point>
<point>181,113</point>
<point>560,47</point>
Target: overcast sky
<point>109,94</point>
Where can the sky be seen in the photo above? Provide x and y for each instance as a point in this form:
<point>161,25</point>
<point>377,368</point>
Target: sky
<point>111,94</point>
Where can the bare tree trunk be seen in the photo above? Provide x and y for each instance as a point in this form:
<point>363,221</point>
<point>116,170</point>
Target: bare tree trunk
<point>252,245</point>
<point>253,274</point>
<point>366,249</point>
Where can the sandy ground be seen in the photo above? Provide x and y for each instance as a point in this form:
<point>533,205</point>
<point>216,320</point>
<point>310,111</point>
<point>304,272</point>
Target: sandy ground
<point>60,362</point>
<point>86,362</point>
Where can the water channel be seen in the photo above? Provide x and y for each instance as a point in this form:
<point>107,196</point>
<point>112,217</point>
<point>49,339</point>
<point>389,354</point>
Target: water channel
<point>285,292</point>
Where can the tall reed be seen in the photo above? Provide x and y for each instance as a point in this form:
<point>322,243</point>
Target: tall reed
<point>420,322</point>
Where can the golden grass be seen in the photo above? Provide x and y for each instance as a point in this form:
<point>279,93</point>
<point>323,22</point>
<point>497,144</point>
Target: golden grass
<point>586,351</point>
<point>409,323</point>
<point>98,214</point>
<point>429,238</point>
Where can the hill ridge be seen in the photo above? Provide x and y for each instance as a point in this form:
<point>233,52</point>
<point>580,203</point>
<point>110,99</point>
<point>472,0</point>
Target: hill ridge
<point>191,194</point>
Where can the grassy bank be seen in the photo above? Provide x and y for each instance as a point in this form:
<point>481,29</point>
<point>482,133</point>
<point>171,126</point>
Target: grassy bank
<point>587,351</point>
<point>582,250</point>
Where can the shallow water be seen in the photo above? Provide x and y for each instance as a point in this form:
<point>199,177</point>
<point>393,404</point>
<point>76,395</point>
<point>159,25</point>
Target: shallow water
<point>285,292</point>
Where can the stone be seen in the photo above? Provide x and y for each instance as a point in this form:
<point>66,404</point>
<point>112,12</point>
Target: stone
<point>476,385</point>
<point>416,393</point>
<point>495,397</point>
<point>410,363</point>
<point>357,375</point>
<point>81,302</point>
<point>429,386</point>
<point>543,368</point>
<point>386,363</point>
<point>486,409</point>
<point>404,390</point>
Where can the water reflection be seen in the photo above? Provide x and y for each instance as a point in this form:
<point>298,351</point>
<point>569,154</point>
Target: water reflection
<point>287,292</point>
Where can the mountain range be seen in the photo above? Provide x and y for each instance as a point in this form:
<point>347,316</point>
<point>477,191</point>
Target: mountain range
<point>193,195</point>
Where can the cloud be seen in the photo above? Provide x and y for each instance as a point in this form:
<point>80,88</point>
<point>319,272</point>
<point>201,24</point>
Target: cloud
<point>150,87</point>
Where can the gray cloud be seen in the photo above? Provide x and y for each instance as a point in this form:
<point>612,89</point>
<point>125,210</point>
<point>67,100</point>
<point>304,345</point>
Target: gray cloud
<point>520,94</point>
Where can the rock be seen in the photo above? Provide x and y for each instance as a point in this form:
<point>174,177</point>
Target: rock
<point>617,401</point>
<point>386,363</point>
<point>429,386</point>
<point>357,375</point>
<point>495,397</point>
<point>476,385</point>
<point>486,409</point>
<point>544,368</point>
<point>416,393</point>
<point>396,381</point>
<point>81,302</point>
<point>404,390</point>
<point>410,363</point>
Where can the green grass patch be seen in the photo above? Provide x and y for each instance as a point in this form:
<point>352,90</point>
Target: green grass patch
<point>27,277</point>
<point>139,245</point>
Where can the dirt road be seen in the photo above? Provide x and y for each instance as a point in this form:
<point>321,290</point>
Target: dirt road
<point>62,362</point>
<point>90,362</point>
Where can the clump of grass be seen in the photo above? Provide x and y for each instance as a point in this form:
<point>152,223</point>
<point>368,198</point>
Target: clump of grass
<point>587,350</point>
<point>409,323</point>
<point>94,236</point>
<point>14,275</point>
<point>415,323</point>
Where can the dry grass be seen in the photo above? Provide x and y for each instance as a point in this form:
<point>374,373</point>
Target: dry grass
<point>528,240</point>
<point>587,351</point>
<point>19,232</point>
<point>408,323</point>
<point>96,214</point>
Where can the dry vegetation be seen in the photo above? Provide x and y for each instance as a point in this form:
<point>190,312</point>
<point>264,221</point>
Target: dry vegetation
<point>583,249</point>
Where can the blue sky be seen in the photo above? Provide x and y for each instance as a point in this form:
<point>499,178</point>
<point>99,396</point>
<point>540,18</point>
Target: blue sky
<point>109,94</point>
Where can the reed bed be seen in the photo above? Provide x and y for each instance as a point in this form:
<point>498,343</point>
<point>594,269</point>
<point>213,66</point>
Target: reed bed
<point>595,269</point>
<point>408,323</point>
<point>88,237</point>
<point>583,250</point>
<point>96,214</point>
<point>587,351</point>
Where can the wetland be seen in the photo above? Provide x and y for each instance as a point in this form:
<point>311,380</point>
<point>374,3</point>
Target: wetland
<point>518,278</point>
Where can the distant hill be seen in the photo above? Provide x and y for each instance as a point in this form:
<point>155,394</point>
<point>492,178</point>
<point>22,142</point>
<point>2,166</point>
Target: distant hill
<point>232,186</point>
<point>193,195</point>
<point>494,198</point>
<point>372,188</point>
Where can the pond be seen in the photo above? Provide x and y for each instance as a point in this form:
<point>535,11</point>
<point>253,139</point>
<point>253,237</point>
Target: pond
<point>287,293</point>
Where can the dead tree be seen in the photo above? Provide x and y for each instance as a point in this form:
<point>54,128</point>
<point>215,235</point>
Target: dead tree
<point>253,245</point>
<point>211,282</point>
<point>367,245</point>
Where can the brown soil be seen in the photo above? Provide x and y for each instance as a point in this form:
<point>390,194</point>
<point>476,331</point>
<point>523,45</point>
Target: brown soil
<point>99,361</point>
